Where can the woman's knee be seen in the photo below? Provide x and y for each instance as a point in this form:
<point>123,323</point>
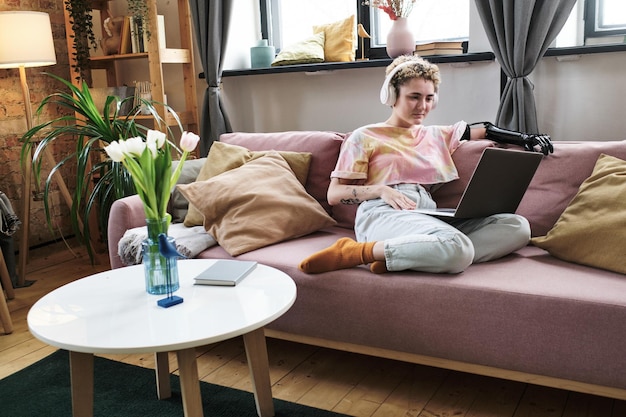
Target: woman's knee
<point>449,253</point>
<point>519,230</point>
<point>459,254</point>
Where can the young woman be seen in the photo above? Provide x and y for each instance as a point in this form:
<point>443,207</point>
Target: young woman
<point>388,169</point>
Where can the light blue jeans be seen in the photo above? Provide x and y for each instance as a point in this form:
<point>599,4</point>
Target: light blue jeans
<point>424,243</point>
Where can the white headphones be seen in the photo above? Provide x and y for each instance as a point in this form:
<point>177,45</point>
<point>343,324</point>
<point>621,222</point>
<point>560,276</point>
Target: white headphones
<point>388,91</point>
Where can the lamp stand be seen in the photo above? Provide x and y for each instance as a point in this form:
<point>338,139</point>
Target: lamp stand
<point>26,181</point>
<point>26,187</point>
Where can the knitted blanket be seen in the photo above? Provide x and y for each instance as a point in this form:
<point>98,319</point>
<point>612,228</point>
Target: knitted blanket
<point>190,241</point>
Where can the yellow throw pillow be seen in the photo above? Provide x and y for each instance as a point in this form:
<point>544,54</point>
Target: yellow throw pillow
<point>256,205</point>
<point>223,157</point>
<point>340,40</point>
<point>308,51</point>
<point>591,229</point>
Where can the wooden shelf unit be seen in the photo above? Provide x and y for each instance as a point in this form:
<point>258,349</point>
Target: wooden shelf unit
<point>156,57</point>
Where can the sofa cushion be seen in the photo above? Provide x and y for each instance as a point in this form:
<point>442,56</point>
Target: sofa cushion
<point>589,232</point>
<point>178,203</point>
<point>223,157</point>
<point>324,148</point>
<point>255,205</point>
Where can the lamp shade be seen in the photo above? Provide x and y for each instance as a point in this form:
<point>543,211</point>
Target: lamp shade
<point>26,40</point>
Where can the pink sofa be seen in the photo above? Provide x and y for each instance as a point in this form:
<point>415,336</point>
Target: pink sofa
<point>528,317</point>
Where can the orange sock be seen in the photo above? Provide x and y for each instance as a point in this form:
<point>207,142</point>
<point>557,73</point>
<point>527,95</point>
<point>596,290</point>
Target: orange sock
<point>379,267</point>
<point>344,253</point>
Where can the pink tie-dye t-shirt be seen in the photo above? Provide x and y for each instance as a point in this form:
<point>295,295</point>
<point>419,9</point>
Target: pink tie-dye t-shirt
<point>388,155</point>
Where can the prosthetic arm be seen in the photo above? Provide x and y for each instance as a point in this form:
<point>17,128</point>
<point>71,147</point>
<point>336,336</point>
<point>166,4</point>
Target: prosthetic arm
<point>528,141</point>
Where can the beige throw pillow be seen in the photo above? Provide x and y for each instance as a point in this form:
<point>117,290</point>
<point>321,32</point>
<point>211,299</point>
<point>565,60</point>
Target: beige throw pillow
<point>308,51</point>
<point>223,157</point>
<point>255,205</point>
<point>591,229</point>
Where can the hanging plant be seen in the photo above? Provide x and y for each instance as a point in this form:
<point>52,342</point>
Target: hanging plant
<point>138,9</point>
<point>84,38</point>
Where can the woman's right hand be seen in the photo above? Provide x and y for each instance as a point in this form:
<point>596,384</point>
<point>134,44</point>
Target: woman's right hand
<point>340,192</point>
<point>396,199</point>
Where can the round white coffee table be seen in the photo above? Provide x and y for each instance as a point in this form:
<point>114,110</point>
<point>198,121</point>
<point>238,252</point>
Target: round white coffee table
<point>110,312</point>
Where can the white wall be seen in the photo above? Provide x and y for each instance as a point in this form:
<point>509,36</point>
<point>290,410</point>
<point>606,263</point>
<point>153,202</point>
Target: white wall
<point>578,99</point>
<point>582,99</point>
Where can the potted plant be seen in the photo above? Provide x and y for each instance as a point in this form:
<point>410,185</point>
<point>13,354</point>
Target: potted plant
<point>99,179</point>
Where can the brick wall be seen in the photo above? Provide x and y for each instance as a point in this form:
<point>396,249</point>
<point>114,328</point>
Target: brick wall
<point>13,126</point>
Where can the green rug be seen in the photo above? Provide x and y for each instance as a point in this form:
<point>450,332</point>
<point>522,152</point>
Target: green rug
<point>122,390</point>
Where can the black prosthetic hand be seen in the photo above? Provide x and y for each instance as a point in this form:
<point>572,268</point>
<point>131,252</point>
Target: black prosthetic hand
<point>528,141</point>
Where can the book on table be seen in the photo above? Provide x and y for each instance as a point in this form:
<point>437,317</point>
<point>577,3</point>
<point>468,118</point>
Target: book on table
<point>225,272</point>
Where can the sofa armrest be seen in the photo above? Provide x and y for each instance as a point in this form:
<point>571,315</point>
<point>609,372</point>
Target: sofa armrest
<point>126,213</point>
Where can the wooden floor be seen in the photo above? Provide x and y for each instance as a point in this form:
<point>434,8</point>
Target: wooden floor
<point>346,383</point>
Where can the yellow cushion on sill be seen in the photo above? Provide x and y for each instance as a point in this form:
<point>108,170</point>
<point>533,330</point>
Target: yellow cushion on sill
<point>340,40</point>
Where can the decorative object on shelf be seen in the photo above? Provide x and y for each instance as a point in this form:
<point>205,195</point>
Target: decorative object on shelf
<point>360,30</point>
<point>101,94</point>
<point>110,43</point>
<point>93,127</point>
<point>143,94</point>
<point>149,162</point>
<point>167,249</point>
<point>400,39</point>
<point>262,55</point>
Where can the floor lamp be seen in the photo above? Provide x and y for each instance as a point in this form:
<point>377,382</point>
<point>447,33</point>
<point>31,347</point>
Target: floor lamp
<point>25,41</point>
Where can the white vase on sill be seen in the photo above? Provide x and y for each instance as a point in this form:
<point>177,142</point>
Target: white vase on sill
<point>400,39</point>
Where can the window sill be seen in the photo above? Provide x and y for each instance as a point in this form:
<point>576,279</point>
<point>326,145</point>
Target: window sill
<point>584,50</point>
<point>471,57</point>
<point>332,66</point>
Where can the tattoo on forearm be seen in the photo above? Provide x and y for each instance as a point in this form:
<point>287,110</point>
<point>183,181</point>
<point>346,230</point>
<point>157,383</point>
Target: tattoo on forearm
<point>351,201</point>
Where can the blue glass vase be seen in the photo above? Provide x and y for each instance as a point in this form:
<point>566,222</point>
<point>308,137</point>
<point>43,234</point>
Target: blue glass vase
<point>155,265</point>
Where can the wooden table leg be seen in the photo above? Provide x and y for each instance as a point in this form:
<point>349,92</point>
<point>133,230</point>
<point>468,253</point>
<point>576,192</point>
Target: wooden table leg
<point>81,372</point>
<point>256,352</point>
<point>189,383</point>
<point>162,369</point>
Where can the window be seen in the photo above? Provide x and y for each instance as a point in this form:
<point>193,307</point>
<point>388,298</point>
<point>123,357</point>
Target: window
<point>285,22</point>
<point>431,20</point>
<point>605,18</point>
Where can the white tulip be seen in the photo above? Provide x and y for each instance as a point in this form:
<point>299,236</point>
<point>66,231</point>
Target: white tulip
<point>133,146</point>
<point>157,137</point>
<point>115,151</point>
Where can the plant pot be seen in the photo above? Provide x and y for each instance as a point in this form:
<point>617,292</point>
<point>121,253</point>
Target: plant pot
<point>400,39</point>
<point>161,273</point>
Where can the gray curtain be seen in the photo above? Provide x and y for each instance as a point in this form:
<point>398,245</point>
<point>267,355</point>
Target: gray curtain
<point>211,19</point>
<point>520,32</point>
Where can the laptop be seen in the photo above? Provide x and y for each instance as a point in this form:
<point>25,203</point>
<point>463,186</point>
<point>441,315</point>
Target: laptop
<point>497,185</point>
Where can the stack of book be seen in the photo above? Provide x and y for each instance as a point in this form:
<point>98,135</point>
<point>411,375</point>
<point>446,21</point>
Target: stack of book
<point>134,36</point>
<point>439,48</point>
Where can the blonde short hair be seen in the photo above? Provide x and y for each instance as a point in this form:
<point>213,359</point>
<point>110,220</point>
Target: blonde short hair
<point>420,68</point>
